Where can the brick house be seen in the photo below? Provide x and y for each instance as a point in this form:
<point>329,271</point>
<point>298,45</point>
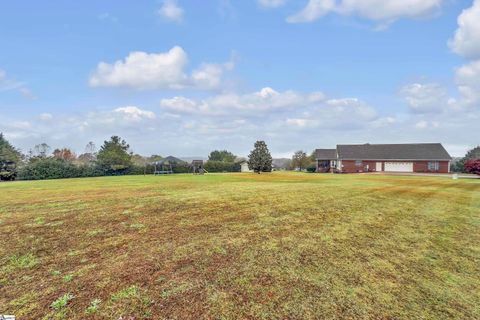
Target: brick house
<point>413,157</point>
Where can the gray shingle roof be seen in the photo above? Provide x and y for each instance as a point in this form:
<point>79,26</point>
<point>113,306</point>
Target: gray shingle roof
<point>326,154</point>
<point>411,151</point>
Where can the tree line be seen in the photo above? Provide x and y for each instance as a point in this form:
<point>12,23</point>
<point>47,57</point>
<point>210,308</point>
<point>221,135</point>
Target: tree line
<point>112,158</point>
<point>115,158</point>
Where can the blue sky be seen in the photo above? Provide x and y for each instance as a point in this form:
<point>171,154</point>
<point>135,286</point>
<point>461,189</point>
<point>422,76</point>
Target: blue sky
<point>177,77</point>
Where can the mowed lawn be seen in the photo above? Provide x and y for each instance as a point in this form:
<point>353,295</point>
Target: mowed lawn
<point>241,246</point>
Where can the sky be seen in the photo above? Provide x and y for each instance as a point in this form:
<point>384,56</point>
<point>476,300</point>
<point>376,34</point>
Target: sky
<point>185,77</point>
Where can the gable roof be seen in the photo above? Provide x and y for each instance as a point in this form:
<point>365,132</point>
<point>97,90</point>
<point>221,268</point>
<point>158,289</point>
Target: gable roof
<point>410,151</point>
<point>326,154</point>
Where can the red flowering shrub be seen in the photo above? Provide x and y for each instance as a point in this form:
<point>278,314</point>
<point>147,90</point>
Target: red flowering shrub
<point>473,166</point>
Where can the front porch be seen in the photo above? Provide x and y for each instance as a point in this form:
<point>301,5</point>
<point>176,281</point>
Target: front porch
<point>326,165</point>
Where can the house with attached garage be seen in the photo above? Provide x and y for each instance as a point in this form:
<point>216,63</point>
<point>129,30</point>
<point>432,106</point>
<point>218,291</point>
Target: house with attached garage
<point>411,157</point>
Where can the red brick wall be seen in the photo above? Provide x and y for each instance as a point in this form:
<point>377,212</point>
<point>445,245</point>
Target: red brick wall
<point>422,166</point>
<point>348,166</point>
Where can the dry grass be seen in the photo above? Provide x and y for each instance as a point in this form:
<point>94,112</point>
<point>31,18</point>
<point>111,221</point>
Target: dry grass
<point>273,246</point>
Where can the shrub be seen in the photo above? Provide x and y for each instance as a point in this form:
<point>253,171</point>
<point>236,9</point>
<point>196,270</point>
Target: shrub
<point>181,168</point>
<point>220,166</point>
<point>473,166</point>
<point>311,168</point>
<point>51,168</point>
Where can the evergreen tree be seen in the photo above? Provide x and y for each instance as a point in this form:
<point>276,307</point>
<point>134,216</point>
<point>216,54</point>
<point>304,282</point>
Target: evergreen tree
<point>9,157</point>
<point>260,159</point>
<point>114,157</point>
<point>473,154</point>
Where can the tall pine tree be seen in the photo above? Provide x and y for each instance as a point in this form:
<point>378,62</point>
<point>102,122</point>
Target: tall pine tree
<point>260,159</point>
<point>9,157</point>
<point>114,157</point>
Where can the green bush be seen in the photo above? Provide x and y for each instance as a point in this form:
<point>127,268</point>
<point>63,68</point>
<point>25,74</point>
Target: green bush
<point>181,168</point>
<point>311,168</point>
<point>220,166</point>
<point>51,168</point>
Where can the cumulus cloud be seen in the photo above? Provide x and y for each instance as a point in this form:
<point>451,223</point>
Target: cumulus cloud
<point>135,114</point>
<point>256,103</point>
<point>425,98</point>
<point>282,109</point>
<point>377,10</point>
<point>144,71</point>
<point>467,79</point>
<point>141,70</point>
<point>272,3</point>
<point>171,11</point>
<point>466,41</point>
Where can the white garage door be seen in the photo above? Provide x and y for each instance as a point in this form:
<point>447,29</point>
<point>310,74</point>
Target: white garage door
<point>399,166</point>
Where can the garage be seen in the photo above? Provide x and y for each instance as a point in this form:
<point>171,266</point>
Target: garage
<point>399,166</point>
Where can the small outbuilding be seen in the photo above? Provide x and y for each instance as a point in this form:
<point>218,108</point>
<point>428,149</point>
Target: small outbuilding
<point>244,167</point>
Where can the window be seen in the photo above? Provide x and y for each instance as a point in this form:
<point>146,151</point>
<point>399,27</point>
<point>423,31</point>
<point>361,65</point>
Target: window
<point>433,166</point>
<point>358,163</point>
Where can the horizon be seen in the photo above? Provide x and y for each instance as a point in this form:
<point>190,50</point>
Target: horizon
<point>174,77</point>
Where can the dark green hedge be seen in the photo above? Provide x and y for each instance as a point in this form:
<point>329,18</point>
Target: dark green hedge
<point>220,166</point>
<point>56,169</point>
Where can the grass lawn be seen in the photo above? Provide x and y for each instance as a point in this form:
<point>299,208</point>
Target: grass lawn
<point>241,246</point>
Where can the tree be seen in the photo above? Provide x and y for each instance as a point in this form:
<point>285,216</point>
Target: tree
<point>300,160</point>
<point>473,154</point>
<point>90,154</point>
<point>9,157</point>
<point>259,159</point>
<point>41,150</point>
<point>154,157</point>
<point>64,154</point>
<point>473,166</point>
<point>113,156</point>
<point>222,155</point>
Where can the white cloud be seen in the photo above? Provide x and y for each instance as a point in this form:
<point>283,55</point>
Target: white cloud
<point>426,124</point>
<point>171,11</point>
<point>272,3</point>
<point>135,114</point>
<point>425,98</point>
<point>46,116</point>
<point>279,109</point>
<point>209,75</point>
<point>141,70</point>
<point>314,10</point>
<point>466,41</point>
<point>467,79</point>
<point>179,104</point>
<point>377,10</point>
<point>9,84</point>
<point>256,103</point>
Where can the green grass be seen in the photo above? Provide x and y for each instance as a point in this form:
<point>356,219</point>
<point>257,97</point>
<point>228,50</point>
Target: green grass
<point>241,246</point>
